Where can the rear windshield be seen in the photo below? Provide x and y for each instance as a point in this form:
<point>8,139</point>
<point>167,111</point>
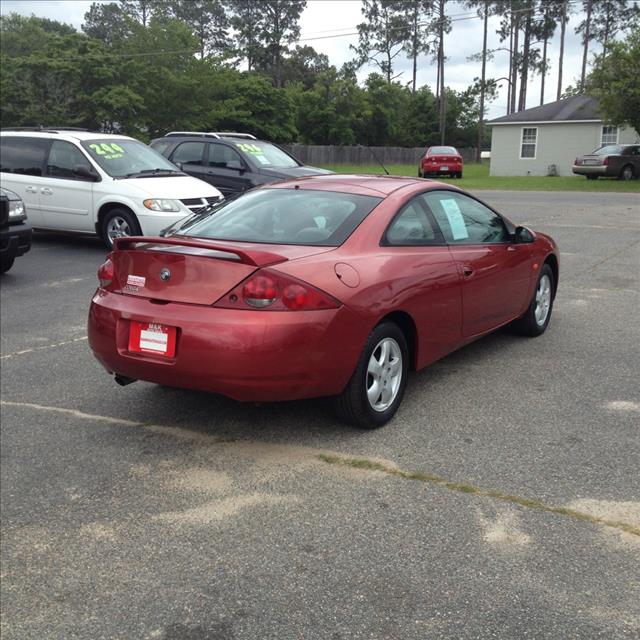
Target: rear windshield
<point>284,216</point>
<point>609,150</point>
<point>438,151</point>
<point>266,155</point>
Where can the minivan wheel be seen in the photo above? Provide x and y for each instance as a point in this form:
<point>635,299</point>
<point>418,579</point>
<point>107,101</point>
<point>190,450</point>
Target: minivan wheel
<point>377,386</point>
<point>118,223</point>
<point>626,173</point>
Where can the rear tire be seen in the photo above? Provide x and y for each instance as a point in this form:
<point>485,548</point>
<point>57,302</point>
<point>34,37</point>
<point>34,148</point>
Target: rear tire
<point>536,319</point>
<point>118,223</point>
<point>377,386</point>
<point>627,173</point>
<point>420,174</point>
<point>5,265</point>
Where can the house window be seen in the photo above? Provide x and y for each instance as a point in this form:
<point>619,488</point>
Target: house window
<point>529,141</point>
<point>609,135</point>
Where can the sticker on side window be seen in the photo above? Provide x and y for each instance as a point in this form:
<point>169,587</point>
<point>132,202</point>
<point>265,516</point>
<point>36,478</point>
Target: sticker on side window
<point>455,218</point>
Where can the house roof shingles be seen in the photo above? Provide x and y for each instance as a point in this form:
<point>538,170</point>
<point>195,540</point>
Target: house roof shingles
<point>567,110</point>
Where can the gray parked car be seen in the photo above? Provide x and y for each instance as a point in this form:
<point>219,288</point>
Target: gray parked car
<point>612,160</point>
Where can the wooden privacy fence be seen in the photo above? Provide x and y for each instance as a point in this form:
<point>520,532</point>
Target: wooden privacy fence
<point>315,154</point>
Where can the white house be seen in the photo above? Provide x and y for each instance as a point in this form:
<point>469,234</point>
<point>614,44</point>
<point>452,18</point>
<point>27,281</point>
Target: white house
<point>529,142</point>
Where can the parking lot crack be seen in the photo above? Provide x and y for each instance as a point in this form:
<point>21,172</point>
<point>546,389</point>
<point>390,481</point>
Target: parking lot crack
<point>463,487</point>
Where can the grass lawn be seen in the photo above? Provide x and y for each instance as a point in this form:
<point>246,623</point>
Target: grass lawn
<point>476,176</point>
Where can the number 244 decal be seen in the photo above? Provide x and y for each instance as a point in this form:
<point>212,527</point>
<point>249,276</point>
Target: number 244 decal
<point>104,148</point>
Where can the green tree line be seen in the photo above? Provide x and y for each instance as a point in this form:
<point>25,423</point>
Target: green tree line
<point>143,67</point>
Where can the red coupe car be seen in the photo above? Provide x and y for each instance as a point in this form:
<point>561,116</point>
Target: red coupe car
<point>332,285</point>
<point>441,161</point>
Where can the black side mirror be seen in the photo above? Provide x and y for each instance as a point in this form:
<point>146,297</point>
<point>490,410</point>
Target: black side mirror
<point>180,165</point>
<point>236,165</point>
<point>522,235</point>
<point>85,172</point>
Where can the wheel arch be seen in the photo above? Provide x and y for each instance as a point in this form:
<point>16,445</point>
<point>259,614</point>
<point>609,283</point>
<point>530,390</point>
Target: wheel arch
<point>552,261</point>
<point>408,327</point>
<point>110,206</point>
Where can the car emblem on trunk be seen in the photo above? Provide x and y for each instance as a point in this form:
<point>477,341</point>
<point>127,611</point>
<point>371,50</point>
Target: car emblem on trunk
<point>165,274</point>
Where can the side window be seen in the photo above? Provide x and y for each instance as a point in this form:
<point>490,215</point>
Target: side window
<point>220,154</point>
<point>529,142</point>
<point>63,157</point>
<point>23,155</point>
<point>411,227</point>
<point>463,220</point>
<point>189,153</point>
<point>609,135</point>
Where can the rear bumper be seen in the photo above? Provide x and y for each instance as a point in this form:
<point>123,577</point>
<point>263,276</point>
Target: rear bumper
<point>15,240</point>
<point>246,355</point>
<point>594,170</point>
<point>441,168</point>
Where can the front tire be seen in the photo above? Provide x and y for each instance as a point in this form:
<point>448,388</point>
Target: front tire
<point>536,319</point>
<point>627,173</point>
<point>118,223</point>
<point>375,391</point>
<point>5,265</point>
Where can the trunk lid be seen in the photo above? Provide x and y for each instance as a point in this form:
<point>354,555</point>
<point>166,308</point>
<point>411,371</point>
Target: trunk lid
<point>592,159</point>
<point>191,270</point>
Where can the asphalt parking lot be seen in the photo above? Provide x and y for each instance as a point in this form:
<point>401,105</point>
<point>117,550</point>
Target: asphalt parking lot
<point>502,502</point>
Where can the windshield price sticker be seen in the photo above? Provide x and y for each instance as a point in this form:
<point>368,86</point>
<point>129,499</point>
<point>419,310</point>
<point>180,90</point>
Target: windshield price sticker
<point>455,218</point>
<point>107,150</point>
<point>249,148</point>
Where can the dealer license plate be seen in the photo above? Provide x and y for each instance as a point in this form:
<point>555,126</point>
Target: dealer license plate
<point>444,168</point>
<point>592,161</point>
<point>151,337</point>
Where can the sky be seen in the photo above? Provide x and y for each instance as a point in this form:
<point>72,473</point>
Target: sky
<point>338,19</point>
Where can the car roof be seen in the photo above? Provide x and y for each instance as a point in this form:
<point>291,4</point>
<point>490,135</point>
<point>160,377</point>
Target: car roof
<point>64,134</point>
<point>363,184</point>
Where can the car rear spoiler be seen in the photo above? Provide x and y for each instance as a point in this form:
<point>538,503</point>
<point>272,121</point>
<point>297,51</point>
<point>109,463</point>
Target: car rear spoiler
<point>247,256</point>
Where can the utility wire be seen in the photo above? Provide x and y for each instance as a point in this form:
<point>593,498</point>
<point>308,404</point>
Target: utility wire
<point>447,19</point>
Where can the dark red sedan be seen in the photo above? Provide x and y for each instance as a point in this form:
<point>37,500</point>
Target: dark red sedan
<point>333,285</point>
<point>441,161</point>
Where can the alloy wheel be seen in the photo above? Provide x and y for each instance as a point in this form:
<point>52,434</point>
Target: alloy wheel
<point>384,374</point>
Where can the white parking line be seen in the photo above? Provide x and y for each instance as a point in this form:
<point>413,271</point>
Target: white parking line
<point>46,346</point>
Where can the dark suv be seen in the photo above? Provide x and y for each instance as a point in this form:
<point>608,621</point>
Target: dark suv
<point>15,231</point>
<point>231,162</point>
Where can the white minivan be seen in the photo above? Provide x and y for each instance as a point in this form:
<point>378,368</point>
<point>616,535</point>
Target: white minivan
<point>111,185</point>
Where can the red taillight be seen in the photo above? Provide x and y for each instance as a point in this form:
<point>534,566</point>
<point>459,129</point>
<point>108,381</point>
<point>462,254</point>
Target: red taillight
<point>274,291</point>
<point>106,273</point>
<point>606,160</point>
<point>260,291</point>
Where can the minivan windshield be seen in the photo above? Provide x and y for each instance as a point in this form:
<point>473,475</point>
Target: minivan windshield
<point>124,158</point>
<point>266,155</point>
<point>284,216</point>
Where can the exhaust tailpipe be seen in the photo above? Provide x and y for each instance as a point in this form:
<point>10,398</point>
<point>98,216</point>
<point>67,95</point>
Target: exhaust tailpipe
<point>123,381</point>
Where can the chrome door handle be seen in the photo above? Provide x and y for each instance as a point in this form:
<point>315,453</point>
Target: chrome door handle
<point>46,191</point>
<point>31,189</point>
